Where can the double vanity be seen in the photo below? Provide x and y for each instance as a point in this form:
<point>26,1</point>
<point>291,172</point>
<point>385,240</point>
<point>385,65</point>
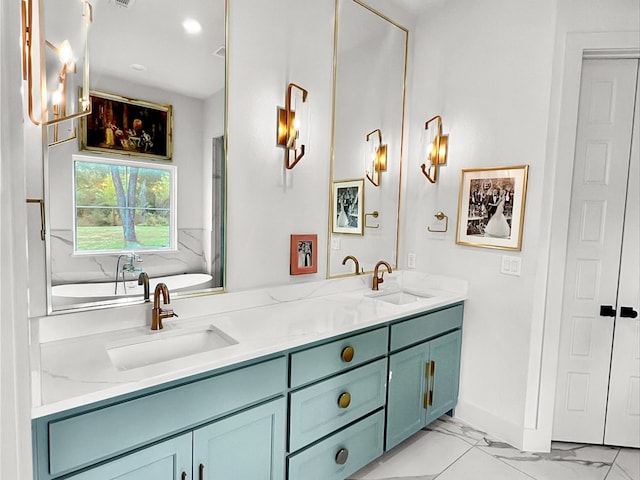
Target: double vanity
<point>308,381</point>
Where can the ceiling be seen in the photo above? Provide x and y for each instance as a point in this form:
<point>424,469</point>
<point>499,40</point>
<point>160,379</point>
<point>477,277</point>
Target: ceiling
<point>146,43</point>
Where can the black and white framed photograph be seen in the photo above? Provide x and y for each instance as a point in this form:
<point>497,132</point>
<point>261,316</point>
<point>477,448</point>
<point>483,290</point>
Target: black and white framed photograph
<point>347,206</point>
<point>491,207</point>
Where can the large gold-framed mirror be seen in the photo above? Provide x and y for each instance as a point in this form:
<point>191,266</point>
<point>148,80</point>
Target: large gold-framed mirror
<point>368,135</point>
<point>144,56</point>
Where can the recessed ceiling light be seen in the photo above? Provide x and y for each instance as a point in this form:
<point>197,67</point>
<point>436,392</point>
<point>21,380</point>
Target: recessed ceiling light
<point>192,26</point>
<point>138,67</point>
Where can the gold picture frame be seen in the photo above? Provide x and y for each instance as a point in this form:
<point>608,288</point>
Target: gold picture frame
<point>126,126</point>
<point>347,206</point>
<point>491,207</point>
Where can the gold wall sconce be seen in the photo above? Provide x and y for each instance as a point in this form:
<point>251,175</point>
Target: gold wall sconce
<point>293,125</point>
<point>436,150</point>
<point>50,66</point>
<point>375,157</point>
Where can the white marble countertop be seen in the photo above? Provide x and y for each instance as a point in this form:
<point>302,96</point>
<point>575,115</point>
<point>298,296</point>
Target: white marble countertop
<point>71,366</point>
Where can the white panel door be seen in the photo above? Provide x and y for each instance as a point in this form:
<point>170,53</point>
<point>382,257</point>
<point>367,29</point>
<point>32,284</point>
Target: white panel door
<point>623,409</point>
<point>596,223</point>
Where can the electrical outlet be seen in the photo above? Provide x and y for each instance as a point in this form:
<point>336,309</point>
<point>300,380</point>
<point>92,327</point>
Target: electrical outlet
<point>411,260</point>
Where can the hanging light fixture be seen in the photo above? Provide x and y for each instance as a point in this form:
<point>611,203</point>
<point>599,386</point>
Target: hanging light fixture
<point>293,125</point>
<point>436,149</point>
<point>375,157</point>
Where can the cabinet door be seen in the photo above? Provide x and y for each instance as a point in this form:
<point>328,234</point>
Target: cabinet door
<point>169,460</point>
<point>444,354</point>
<point>407,385</point>
<point>246,446</point>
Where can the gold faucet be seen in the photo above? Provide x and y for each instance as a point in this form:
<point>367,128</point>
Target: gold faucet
<point>143,279</point>
<point>158,313</point>
<point>355,260</point>
<point>377,280</point>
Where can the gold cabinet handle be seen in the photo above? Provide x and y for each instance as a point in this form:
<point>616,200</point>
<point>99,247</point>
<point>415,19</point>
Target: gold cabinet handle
<point>342,456</point>
<point>430,373</point>
<point>344,400</point>
<point>347,354</point>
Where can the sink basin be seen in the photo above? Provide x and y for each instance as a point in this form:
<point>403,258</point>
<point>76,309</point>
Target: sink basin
<point>401,297</point>
<point>168,345</point>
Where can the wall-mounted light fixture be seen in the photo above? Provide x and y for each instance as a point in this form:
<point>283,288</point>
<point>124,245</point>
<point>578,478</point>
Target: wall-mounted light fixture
<point>293,125</point>
<point>49,60</point>
<point>437,147</point>
<point>375,157</point>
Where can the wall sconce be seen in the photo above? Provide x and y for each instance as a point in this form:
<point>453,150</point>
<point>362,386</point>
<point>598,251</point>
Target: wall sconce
<point>375,157</point>
<point>55,74</point>
<point>293,125</point>
<point>436,150</point>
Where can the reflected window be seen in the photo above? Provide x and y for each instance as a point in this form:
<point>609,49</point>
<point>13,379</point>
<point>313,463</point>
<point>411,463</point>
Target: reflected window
<point>123,206</point>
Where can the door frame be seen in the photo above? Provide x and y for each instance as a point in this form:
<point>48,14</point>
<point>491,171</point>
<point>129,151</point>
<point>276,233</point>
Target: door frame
<point>549,284</point>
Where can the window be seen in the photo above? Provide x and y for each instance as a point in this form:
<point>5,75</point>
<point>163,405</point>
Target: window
<point>123,205</point>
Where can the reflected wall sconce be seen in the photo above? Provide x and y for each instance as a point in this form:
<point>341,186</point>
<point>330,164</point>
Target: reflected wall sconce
<point>436,150</point>
<point>375,157</point>
<point>293,125</point>
<point>51,69</point>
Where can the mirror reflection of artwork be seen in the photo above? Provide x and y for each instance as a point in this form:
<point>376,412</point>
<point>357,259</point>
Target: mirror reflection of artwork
<point>348,206</point>
<point>303,254</point>
<point>129,127</point>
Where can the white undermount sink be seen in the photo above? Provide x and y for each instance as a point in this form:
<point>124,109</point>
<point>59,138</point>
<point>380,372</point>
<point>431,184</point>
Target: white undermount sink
<point>401,297</point>
<point>161,346</point>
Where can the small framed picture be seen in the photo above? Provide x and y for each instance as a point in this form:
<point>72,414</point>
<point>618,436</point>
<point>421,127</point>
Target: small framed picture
<point>126,126</point>
<point>348,206</point>
<point>304,254</point>
<point>491,207</point>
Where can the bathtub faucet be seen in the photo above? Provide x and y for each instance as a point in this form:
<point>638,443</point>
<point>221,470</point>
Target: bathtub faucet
<point>158,313</point>
<point>127,267</point>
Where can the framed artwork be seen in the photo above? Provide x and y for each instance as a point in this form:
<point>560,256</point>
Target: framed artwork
<point>304,254</point>
<point>347,201</point>
<point>127,127</point>
<point>491,207</point>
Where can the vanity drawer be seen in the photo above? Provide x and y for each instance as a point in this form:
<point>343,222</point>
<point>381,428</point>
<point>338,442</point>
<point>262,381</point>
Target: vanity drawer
<point>84,439</point>
<point>341,454</point>
<point>319,409</point>
<point>323,360</point>
<point>424,327</point>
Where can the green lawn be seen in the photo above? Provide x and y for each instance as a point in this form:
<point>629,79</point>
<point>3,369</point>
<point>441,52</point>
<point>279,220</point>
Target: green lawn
<point>111,238</point>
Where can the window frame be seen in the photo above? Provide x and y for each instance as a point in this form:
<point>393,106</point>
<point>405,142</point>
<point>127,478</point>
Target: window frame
<point>173,203</point>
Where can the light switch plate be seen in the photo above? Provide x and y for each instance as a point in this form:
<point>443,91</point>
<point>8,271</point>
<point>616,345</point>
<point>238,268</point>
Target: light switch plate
<point>411,260</point>
<point>335,244</point>
<point>511,265</point>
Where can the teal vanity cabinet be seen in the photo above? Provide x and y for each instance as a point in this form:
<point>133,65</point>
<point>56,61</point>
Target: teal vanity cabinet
<point>231,425</point>
<point>424,367</point>
<point>336,406</point>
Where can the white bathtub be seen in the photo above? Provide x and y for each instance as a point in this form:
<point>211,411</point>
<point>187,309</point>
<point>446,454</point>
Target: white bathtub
<point>74,293</point>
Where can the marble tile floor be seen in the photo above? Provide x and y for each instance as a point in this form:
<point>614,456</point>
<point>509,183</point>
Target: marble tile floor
<point>450,450</point>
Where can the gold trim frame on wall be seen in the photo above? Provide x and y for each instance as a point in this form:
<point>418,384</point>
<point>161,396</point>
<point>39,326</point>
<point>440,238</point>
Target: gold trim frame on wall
<point>127,127</point>
<point>491,207</point>
<point>348,206</point>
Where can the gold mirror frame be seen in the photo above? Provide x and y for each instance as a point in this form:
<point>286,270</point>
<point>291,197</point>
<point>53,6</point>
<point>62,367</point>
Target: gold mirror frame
<point>400,157</point>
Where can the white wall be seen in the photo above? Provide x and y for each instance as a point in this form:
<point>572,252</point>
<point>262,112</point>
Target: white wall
<point>272,44</point>
<point>493,71</point>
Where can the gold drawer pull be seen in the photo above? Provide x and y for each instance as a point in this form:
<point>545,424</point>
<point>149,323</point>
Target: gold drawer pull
<point>347,354</point>
<point>342,456</point>
<point>344,400</point>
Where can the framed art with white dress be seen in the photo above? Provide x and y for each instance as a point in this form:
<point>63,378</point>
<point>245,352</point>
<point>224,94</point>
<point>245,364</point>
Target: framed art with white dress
<point>491,207</point>
<point>347,206</point>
